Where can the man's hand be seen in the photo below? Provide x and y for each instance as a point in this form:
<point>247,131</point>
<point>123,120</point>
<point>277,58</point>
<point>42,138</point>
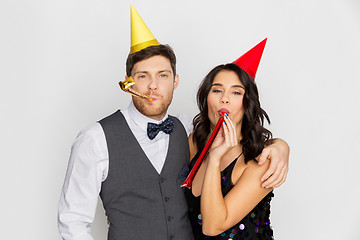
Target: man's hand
<point>277,151</point>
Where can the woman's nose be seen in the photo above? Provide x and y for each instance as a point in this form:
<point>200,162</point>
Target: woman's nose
<point>224,99</point>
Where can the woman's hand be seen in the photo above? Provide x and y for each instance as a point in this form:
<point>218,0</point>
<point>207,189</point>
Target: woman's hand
<point>224,141</point>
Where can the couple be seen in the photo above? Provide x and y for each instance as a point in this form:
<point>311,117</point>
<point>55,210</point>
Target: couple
<point>138,173</point>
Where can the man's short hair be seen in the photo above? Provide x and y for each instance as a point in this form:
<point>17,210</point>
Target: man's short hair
<point>162,50</point>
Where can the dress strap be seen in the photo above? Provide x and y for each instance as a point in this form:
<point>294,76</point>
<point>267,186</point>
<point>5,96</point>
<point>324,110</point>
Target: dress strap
<point>231,165</point>
<point>238,156</point>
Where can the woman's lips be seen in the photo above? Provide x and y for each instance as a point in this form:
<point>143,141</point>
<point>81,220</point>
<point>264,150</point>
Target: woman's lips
<point>222,111</point>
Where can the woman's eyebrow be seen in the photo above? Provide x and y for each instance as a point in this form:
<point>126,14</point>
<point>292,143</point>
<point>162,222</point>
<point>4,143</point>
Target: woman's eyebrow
<point>238,86</point>
<point>234,86</point>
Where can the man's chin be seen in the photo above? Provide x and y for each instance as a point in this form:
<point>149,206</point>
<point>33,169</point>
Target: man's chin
<point>155,110</point>
<point>151,111</point>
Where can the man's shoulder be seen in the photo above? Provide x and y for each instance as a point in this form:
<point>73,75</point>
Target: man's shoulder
<point>96,130</point>
<point>114,115</point>
<point>93,131</point>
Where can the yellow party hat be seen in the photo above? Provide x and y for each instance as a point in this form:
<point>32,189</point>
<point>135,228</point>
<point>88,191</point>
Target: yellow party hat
<point>141,37</point>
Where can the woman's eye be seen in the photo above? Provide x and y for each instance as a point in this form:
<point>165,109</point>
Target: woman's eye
<point>237,93</point>
<point>216,91</point>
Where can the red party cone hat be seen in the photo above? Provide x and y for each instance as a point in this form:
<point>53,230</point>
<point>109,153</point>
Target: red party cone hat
<point>249,62</point>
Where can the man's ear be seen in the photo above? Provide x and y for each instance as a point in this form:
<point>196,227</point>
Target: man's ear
<point>176,81</point>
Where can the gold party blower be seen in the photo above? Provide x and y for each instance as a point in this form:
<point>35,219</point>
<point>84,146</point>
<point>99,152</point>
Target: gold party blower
<point>126,87</point>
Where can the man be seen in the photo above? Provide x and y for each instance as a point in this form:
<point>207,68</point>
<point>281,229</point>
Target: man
<point>137,172</point>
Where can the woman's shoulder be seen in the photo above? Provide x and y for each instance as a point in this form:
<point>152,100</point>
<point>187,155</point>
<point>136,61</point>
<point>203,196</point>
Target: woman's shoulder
<point>251,169</point>
<point>192,146</point>
<point>254,166</point>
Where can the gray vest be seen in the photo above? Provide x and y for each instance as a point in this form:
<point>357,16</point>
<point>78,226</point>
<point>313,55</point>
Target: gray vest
<point>140,203</point>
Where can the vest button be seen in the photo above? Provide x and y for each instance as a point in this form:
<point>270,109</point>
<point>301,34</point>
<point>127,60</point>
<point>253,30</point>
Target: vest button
<point>172,237</point>
<point>166,199</point>
<point>162,179</point>
<point>170,218</point>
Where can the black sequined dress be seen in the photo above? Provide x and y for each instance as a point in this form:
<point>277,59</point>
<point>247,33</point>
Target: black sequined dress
<point>255,225</point>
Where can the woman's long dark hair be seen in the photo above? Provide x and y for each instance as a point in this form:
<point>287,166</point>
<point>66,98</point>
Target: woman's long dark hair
<point>254,134</point>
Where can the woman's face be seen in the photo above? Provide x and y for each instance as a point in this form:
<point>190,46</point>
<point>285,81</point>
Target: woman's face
<point>227,94</point>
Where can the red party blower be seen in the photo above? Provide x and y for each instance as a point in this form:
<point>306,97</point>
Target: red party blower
<point>188,181</point>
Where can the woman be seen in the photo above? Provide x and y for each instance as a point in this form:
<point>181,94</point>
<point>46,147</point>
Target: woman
<point>234,205</point>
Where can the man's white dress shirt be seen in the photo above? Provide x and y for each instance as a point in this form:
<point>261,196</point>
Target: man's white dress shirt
<point>88,168</point>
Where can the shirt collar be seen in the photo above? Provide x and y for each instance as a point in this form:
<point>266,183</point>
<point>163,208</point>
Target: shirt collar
<point>140,119</point>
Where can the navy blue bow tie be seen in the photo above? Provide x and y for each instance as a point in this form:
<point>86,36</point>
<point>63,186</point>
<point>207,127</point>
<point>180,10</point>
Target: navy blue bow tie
<point>166,126</point>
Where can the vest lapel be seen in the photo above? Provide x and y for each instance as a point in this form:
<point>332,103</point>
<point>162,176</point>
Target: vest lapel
<point>136,145</point>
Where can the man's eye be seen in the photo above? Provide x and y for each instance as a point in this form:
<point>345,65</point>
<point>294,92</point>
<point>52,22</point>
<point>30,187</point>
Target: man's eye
<point>163,75</point>
<point>142,76</point>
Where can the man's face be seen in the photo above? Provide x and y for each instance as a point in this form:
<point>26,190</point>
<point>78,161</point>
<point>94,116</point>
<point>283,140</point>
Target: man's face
<point>154,77</point>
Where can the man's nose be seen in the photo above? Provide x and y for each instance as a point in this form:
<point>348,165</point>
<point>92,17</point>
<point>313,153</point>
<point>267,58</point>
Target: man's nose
<point>153,84</point>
